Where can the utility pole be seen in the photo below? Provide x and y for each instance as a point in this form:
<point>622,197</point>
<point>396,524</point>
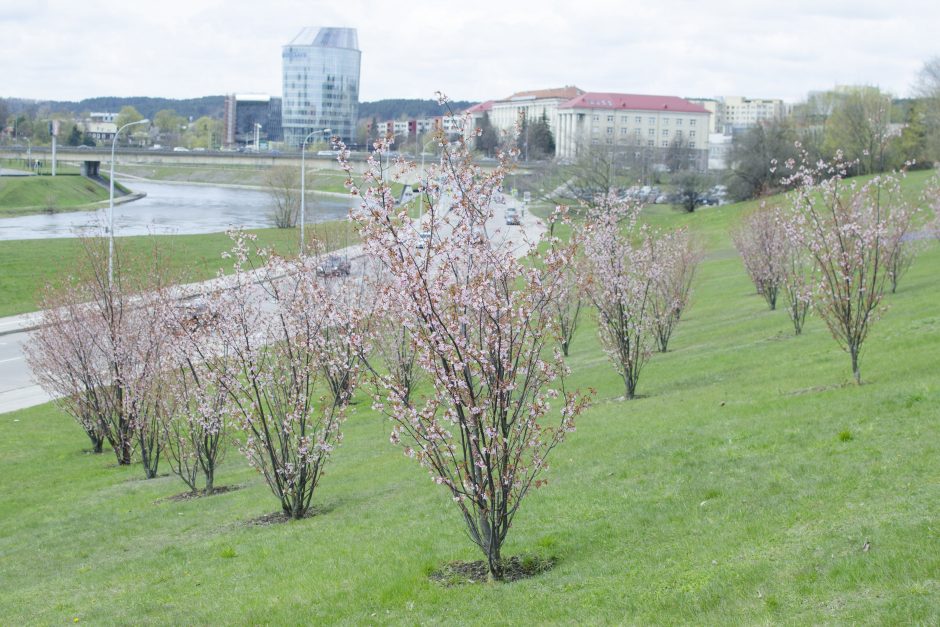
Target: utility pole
<point>54,131</point>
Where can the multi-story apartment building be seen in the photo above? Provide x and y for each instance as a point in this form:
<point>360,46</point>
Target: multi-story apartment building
<point>633,122</point>
<point>735,113</point>
<point>740,112</point>
<point>406,128</point>
<point>321,84</point>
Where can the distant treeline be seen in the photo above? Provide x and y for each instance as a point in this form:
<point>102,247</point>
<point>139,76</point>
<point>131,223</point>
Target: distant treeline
<point>211,106</point>
<point>194,108</point>
<point>397,108</point>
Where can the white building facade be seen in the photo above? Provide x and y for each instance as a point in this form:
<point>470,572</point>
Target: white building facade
<point>632,122</point>
<point>531,105</point>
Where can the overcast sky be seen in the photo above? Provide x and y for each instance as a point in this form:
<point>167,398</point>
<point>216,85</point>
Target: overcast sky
<point>478,50</point>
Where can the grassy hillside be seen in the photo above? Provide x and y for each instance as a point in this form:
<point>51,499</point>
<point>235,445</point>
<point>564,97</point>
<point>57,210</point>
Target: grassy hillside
<point>46,194</point>
<point>324,180</point>
<point>742,487</point>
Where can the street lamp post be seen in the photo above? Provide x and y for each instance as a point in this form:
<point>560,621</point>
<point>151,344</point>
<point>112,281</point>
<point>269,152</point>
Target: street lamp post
<point>303,182</point>
<point>111,202</point>
<point>425,178</point>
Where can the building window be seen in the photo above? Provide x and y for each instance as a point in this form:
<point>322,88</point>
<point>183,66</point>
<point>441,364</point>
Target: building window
<point>665,132</point>
<point>678,121</point>
<point>691,122</point>
<point>652,120</point>
<point>636,133</point>
<point>623,119</point>
<point>610,141</point>
<point>678,134</point>
<point>639,119</point>
<point>651,143</point>
<point>691,144</point>
<point>665,144</point>
<point>652,132</point>
<point>596,118</point>
<point>623,131</point>
<point>665,121</point>
<point>691,133</point>
<point>610,118</point>
<point>610,130</point>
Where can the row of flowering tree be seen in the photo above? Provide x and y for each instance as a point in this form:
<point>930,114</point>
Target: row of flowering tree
<point>775,262</point>
<point>838,246</point>
<point>98,350</point>
<point>639,281</point>
<point>271,351</point>
<point>479,322</point>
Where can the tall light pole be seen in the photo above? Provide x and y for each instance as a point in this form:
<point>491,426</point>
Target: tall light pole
<point>303,182</point>
<point>111,202</point>
<point>424,178</point>
<point>257,137</point>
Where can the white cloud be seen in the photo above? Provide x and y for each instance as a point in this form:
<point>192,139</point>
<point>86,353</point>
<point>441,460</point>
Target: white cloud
<point>71,50</point>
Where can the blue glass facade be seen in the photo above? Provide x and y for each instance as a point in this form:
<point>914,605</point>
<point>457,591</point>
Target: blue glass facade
<point>321,84</point>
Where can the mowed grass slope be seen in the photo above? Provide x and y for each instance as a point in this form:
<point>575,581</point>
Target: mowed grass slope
<point>21,195</point>
<point>741,488</point>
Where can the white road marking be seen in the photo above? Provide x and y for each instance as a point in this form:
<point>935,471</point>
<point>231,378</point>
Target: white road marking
<point>3,361</point>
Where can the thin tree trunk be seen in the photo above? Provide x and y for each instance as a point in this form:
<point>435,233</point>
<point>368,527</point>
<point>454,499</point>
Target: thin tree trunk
<point>855,369</point>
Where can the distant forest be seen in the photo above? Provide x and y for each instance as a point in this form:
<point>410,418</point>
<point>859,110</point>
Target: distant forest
<point>398,108</point>
<point>211,106</point>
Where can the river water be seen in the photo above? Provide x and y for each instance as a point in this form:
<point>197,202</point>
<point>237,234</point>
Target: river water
<point>171,208</point>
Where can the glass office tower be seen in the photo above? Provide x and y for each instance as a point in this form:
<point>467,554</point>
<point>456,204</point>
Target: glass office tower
<point>321,84</point>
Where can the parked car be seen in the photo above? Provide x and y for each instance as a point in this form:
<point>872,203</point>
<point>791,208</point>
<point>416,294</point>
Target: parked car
<point>334,265</point>
<point>181,149</point>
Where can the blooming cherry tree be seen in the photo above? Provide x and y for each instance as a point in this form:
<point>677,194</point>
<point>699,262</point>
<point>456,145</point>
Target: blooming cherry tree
<point>626,266</point>
<point>679,256</point>
<point>848,227</point>
<point>197,409</point>
<point>479,322</point>
<point>762,244</point>
<point>98,349</point>
<point>272,323</point>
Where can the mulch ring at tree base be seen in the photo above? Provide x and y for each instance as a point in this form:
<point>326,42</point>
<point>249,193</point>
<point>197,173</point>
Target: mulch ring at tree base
<point>516,567</point>
<point>188,496</point>
<point>276,518</point>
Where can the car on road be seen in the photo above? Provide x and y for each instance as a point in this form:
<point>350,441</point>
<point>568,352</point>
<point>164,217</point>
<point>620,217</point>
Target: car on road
<point>334,265</point>
<point>512,217</point>
<point>181,149</point>
<point>194,314</point>
<point>424,237</point>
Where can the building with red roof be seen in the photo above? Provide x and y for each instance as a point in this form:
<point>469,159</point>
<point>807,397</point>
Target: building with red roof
<point>532,105</point>
<point>645,125</point>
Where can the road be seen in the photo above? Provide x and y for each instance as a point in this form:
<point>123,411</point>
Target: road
<point>18,391</point>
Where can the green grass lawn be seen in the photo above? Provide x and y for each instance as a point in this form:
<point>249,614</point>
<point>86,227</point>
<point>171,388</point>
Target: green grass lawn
<point>740,488</point>
<point>324,180</point>
<point>21,195</point>
<point>27,265</point>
